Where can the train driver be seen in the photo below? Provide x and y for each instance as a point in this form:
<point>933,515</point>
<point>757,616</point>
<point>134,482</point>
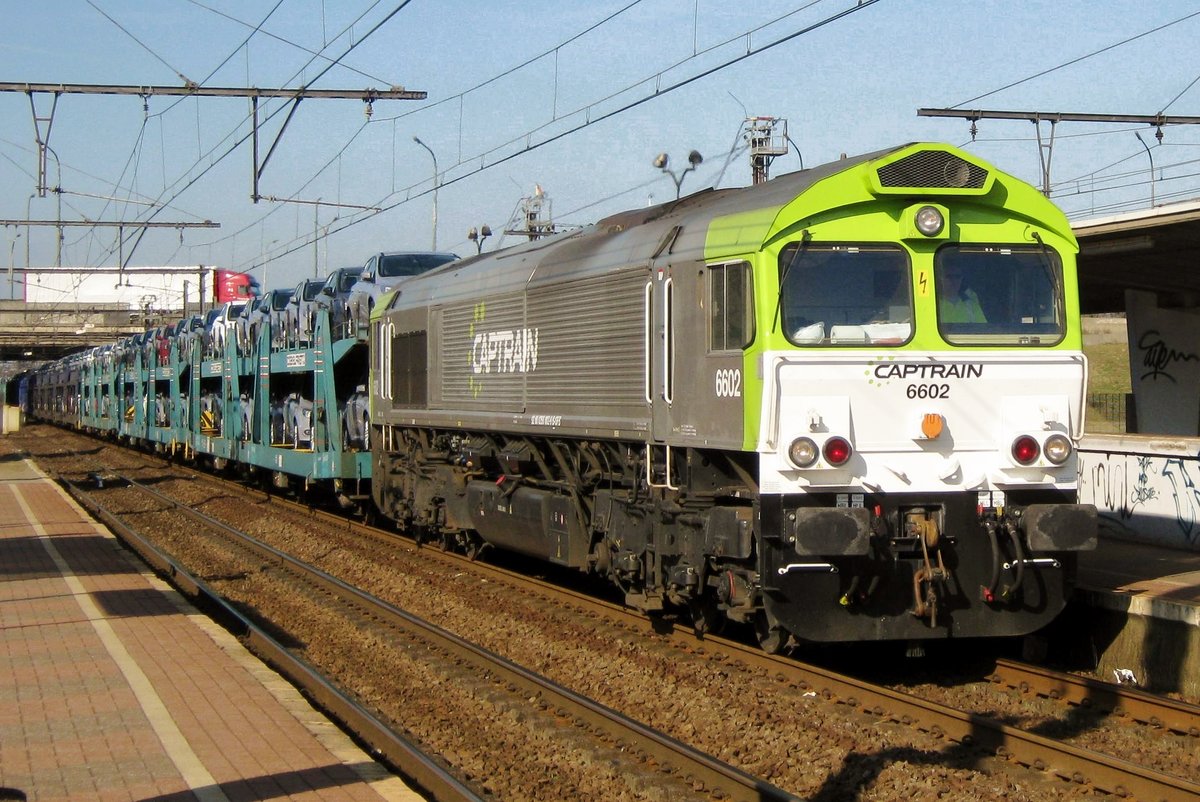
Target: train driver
<point>958,304</point>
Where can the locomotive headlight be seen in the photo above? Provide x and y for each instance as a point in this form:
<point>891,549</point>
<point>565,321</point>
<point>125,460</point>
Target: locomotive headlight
<point>929,221</point>
<point>1057,448</point>
<point>803,452</point>
<point>1025,450</point>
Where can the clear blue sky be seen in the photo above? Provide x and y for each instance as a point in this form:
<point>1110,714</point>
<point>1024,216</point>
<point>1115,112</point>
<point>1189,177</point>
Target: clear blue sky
<point>851,86</point>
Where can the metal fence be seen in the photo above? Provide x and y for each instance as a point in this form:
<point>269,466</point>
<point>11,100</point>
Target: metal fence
<point>1110,413</point>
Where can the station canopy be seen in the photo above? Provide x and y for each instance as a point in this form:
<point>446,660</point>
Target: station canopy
<point>1156,249</point>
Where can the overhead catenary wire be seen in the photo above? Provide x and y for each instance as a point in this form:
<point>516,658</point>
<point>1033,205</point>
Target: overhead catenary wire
<point>1077,60</point>
<point>269,116</point>
<point>284,40</point>
<point>236,144</point>
<point>352,143</point>
<point>303,241</point>
<point>411,193</point>
<point>254,29</point>
<point>187,81</point>
<point>1183,92</point>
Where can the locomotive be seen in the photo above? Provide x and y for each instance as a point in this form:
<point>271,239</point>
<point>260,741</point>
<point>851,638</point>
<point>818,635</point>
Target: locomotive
<point>841,405</point>
<point>765,404</point>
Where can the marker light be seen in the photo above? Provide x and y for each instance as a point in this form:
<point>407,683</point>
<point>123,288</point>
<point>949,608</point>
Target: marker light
<point>932,425</point>
<point>1057,448</point>
<point>1025,449</point>
<point>803,452</point>
<point>837,451</point>
<point>929,221</point>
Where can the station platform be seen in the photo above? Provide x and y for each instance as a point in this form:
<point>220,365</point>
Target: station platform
<point>113,688</point>
<point>1144,579</point>
<point>1136,614</point>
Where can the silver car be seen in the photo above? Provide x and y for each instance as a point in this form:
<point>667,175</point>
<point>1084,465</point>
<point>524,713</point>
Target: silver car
<point>333,297</point>
<point>300,312</point>
<point>382,272</point>
<point>269,311</point>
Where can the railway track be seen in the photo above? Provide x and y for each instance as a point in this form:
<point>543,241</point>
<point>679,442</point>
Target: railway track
<point>1144,708</point>
<point>963,732</point>
<point>678,770</point>
<point>1107,773</point>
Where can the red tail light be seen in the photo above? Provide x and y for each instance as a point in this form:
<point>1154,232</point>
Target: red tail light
<point>1025,449</point>
<point>837,451</point>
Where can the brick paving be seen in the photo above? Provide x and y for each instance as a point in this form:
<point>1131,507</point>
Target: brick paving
<point>113,688</point>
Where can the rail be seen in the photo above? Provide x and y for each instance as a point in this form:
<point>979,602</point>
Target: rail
<point>718,778</point>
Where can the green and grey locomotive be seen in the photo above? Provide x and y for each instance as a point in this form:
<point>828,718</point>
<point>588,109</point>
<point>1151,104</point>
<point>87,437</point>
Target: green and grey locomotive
<point>841,405</point>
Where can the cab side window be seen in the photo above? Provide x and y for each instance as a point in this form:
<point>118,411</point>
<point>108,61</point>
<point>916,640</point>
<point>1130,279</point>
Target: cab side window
<point>731,306</point>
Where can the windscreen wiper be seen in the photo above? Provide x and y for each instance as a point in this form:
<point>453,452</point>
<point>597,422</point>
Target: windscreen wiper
<point>804,238</point>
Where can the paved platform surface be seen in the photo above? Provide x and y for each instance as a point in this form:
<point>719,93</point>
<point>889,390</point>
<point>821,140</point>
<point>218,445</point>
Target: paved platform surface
<point>1143,579</point>
<point>113,688</point>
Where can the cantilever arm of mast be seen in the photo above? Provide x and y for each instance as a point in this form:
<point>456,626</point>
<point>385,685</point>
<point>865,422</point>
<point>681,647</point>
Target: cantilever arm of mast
<point>366,95</point>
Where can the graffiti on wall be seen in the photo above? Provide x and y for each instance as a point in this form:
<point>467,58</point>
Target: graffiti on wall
<point>1158,358</point>
<point>1155,498</point>
<point>1164,365</point>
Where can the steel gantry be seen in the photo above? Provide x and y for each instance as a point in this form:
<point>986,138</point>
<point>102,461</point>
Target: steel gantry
<point>1046,149</point>
<point>190,89</point>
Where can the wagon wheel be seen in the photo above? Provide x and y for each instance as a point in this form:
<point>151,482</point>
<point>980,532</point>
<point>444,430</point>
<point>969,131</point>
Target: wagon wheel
<point>473,546</point>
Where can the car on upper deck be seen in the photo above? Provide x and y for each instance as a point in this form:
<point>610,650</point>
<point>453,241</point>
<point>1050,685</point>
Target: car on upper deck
<point>223,325</point>
<point>271,311</point>
<point>299,314</point>
<point>333,296</point>
<point>382,272</point>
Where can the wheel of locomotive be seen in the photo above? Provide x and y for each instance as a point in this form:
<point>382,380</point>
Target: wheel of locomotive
<point>707,618</point>
<point>771,636</point>
<point>472,545</point>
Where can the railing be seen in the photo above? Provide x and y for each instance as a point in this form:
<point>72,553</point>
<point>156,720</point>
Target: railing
<point>1110,413</point>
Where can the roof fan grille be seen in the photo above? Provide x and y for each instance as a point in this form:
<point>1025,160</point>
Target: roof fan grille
<point>932,169</point>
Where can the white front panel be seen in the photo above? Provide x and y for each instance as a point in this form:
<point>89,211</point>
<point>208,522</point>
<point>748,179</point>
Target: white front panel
<point>984,400</point>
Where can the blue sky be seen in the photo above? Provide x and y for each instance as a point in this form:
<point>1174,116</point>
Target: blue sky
<point>850,86</point>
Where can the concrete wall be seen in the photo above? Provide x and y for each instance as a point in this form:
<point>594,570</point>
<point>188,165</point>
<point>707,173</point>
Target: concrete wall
<point>1146,487</point>
<point>1164,356</point>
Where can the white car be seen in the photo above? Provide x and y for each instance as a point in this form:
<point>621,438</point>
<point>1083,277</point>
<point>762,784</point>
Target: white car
<point>223,327</point>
